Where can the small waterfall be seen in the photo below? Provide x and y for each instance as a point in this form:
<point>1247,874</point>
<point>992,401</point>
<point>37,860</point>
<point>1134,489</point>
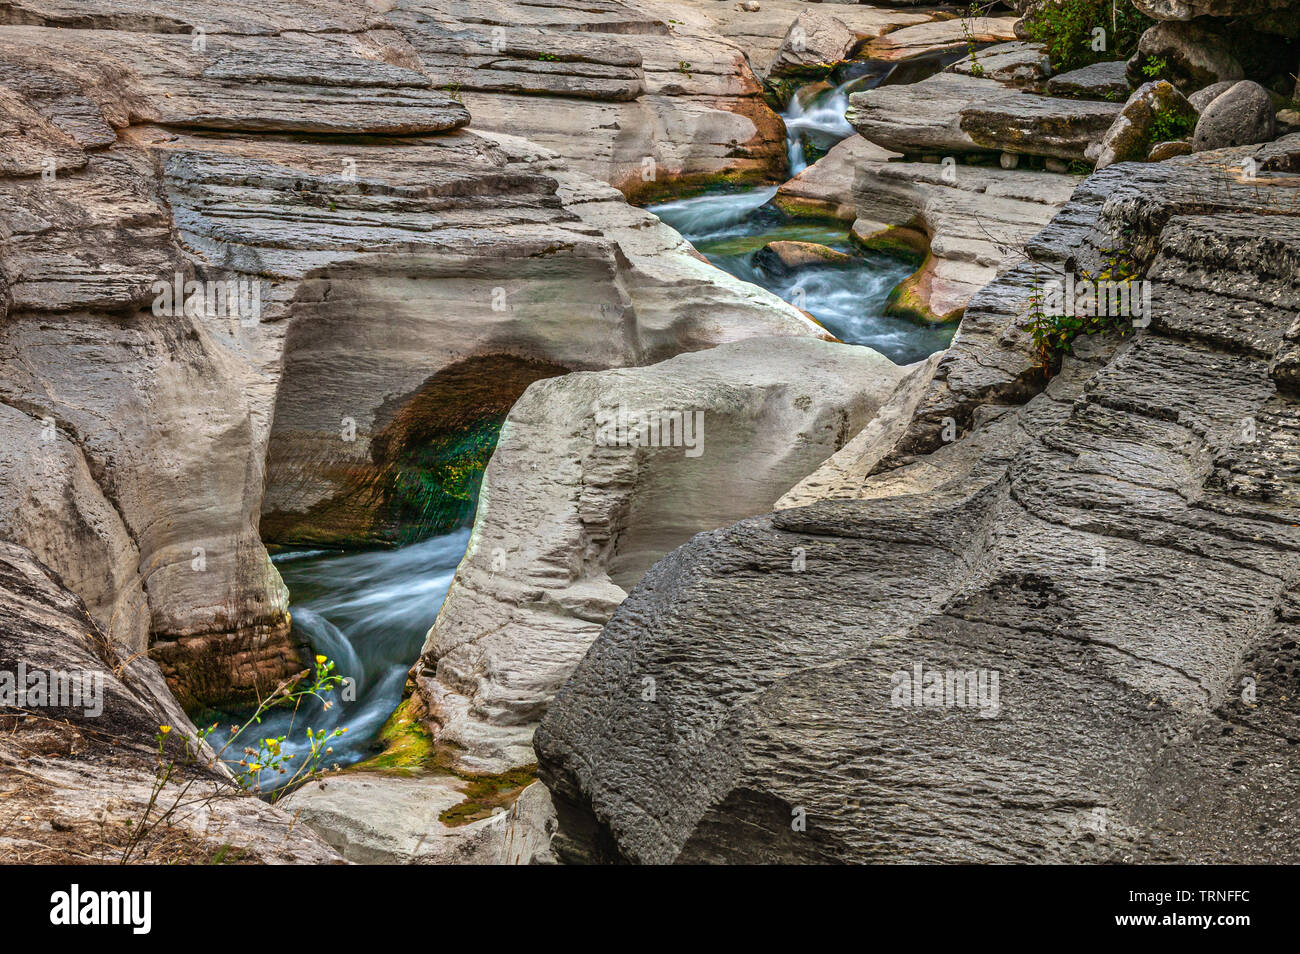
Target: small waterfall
<point>369,612</point>
<point>820,119</point>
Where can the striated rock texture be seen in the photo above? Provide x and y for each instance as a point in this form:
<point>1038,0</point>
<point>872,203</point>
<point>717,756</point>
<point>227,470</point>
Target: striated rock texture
<point>364,308</point>
<point>954,113</point>
<point>571,516</point>
<point>76,772</point>
<point>970,221</point>
<point>1120,549</point>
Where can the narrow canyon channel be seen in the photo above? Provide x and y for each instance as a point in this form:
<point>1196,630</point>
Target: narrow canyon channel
<point>369,611</point>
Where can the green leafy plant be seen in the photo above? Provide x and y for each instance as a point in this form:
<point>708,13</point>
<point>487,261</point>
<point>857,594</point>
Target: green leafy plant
<point>1068,30</point>
<point>183,783</point>
<point>1052,334</point>
<point>1167,125</point>
<point>967,26</point>
<point>1155,67</point>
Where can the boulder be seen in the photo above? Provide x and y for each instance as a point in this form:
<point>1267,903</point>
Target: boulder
<point>815,42</point>
<point>1191,56</point>
<point>1018,64</point>
<point>1203,97</point>
<point>1274,16</point>
<point>1034,125</point>
<point>920,117</point>
<point>1156,112</point>
<point>573,512</point>
<point>1244,114</point>
<point>939,36</point>
<point>792,722</point>
<point>1107,80</point>
<point>1167,150</point>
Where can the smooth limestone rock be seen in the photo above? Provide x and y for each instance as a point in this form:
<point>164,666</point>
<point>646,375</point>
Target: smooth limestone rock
<point>970,220</point>
<point>761,35</point>
<point>1019,64</point>
<point>825,189</point>
<point>391,818</point>
<point>1051,544</point>
<point>1155,110</point>
<point>279,406</point>
<point>1193,56</point>
<point>568,522</point>
<point>939,36</point>
<point>1240,116</point>
<point>920,117</point>
<point>1107,80</point>
<point>637,95</point>
<point>79,771</point>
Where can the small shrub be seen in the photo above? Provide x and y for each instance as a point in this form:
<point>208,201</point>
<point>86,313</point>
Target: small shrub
<point>1167,126</point>
<point>1067,30</point>
<point>1053,334</point>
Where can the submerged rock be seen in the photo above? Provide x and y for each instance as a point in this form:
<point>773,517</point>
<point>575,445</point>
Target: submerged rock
<point>785,257</point>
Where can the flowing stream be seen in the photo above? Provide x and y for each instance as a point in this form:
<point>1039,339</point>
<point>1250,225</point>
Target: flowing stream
<point>729,226</point>
<point>369,612</point>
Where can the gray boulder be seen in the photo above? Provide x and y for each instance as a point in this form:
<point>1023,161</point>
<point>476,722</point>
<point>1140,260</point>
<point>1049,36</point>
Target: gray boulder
<point>1107,80</point>
<point>1193,56</point>
<point>1120,549</point>
<point>1203,97</point>
<point>1241,116</point>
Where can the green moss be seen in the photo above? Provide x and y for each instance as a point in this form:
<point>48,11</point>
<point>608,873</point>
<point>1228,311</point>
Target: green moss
<point>435,484</point>
<point>898,241</point>
<point>905,302</point>
<point>485,793</point>
<point>407,743</point>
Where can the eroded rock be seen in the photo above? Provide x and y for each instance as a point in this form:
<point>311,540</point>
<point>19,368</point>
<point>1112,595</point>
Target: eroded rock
<point>1242,115</point>
<point>1079,518</point>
